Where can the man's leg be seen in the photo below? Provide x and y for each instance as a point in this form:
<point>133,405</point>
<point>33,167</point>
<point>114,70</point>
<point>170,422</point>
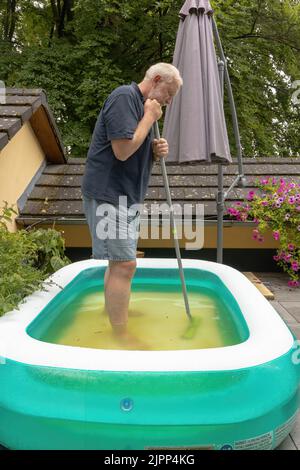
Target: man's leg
<point>117,280</point>
<point>106,276</point>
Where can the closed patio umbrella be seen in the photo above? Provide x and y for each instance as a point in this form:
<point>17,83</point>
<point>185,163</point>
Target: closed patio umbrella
<point>195,123</point>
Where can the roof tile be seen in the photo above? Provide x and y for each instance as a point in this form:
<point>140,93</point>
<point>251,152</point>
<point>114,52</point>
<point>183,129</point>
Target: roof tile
<point>189,184</point>
<point>22,105</point>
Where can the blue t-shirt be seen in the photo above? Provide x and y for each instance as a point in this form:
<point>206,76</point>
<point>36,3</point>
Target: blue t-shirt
<point>105,177</point>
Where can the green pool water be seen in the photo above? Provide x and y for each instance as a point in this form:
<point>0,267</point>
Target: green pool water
<point>157,317</point>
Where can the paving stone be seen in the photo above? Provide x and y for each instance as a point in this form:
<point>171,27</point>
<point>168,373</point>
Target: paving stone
<point>287,444</point>
<point>293,308</point>
<point>288,295</point>
<point>285,315</point>
<point>277,279</point>
<point>278,284</point>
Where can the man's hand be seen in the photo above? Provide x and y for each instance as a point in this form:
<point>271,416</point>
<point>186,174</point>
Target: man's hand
<point>160,149</point>
<point>153,108</point>
<point>124,148</point>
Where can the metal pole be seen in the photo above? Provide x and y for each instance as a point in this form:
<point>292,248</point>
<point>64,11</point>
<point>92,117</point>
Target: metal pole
<point>173,226</point>
<point>220,196</point>
<point>242,179</point>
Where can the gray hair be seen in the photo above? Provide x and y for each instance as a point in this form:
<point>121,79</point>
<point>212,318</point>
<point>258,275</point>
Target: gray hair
<point>168,72</point>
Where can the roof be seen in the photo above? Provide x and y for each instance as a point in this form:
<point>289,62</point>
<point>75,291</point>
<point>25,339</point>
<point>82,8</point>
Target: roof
<point>30,105</point>
<point>57,193</point>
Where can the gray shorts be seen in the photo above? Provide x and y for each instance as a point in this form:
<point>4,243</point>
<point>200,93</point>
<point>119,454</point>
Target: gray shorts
<point>114,230</point>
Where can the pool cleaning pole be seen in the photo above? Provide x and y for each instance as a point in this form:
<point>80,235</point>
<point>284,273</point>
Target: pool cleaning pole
<point>173,226</point>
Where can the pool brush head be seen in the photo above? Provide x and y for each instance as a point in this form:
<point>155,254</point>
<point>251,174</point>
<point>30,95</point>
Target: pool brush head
<point>191,330</point>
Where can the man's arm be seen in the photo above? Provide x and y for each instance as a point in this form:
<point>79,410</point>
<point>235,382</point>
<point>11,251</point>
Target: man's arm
<point>125,148</point>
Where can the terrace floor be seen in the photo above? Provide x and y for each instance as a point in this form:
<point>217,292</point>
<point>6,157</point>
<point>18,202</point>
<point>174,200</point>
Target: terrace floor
<point>287,303</point>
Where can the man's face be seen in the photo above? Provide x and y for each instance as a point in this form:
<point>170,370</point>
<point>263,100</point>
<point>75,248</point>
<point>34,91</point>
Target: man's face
<point>162,91</point>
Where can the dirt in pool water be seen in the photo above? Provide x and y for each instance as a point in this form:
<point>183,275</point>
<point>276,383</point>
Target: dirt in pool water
<point>157,320</point>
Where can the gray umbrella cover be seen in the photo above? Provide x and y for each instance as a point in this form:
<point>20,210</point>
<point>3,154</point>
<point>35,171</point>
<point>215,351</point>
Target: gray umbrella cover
<point>195,126</point>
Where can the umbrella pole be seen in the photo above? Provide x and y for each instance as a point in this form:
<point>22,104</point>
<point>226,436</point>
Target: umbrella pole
<point>220,197</point>
<point>231,99</point>
<point>240,180</point>
<point>173,226</point>
<point>236,130</point>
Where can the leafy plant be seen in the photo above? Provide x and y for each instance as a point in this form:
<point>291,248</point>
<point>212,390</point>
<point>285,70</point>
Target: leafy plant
<point>275,205</point>
<point>27,258</point>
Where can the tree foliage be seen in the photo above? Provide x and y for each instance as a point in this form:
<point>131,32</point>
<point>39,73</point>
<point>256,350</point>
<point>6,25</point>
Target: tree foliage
<point>78,51</point>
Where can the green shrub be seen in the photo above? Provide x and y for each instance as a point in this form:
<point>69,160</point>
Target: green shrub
<point>27,258</point>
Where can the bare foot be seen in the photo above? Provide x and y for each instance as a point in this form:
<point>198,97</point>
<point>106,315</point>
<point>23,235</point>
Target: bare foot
<point>129,341</point>
<point>135,313</point>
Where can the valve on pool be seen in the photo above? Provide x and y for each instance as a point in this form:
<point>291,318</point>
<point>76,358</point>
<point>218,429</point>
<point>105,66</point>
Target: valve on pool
<point>126,404</point>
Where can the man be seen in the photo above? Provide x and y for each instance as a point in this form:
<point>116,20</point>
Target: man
<point>119,164</point>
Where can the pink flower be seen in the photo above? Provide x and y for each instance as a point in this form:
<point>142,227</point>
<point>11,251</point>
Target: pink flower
<point>264,203</point>
<point>293,283</point>
<point>233,212</point>
<point>250,196</point>
<point>291,247</point>
<point>276,258</point>
<point>260,239</point>
<point>279,202</point>
<point>255,234</point>
<point>276,235</point>
<point>295,266</point>
<point>292,200</point>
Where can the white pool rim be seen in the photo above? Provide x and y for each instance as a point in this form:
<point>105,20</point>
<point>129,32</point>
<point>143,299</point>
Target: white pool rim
<point>268,340</point>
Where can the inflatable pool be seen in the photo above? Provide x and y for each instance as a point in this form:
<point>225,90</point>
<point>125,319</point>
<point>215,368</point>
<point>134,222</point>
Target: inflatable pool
<point>239,394</point>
